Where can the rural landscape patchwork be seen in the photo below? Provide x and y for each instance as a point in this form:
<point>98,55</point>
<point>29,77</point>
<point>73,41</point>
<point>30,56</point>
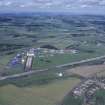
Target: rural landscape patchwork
<point>52,59</point>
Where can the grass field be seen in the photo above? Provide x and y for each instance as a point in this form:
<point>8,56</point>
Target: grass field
<point>4,60</point>
<point>49,94</point>
<point>70,100</point>
<point>5,68</point>
<point>59,59</point>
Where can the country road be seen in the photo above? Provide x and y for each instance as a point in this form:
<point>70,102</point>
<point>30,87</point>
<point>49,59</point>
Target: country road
<point>43,70</point>
<point>22,74</point>
<point>82,61</point>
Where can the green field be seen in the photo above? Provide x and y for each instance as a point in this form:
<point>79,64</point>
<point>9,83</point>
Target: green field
<point>59,59</point>
<point>5,68</point>
<point>48,94</point>
<point>71,100</point>
<point>4,61</point>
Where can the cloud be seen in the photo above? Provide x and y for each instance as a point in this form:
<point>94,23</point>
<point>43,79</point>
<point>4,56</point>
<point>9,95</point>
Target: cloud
<point>84,6</point>
<point>92,2</point>
<point>7,3</point>
<point>102,3</point>
<point>52,4</point>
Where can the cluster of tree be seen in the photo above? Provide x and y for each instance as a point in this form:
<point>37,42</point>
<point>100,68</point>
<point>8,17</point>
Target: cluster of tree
<point>49,47</point>
<point>8,47</point>
<point>71,100</point>
<point>100,97</point>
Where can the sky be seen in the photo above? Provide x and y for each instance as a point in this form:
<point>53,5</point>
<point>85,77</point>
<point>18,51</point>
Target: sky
<point>79,6</point>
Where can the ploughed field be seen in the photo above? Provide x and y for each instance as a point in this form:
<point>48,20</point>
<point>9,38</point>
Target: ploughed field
<point>88,71</point>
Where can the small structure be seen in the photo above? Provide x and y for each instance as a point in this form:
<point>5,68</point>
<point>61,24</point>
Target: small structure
<point>22,60</point>
<point>60,74</point>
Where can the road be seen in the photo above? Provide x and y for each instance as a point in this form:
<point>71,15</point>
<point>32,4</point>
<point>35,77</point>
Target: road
<point>28,63</point>
<point>80,62</point>
<point>43,70</point>
<point>22,74</point>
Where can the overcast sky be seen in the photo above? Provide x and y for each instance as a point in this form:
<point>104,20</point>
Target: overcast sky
<point>89,6</point>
